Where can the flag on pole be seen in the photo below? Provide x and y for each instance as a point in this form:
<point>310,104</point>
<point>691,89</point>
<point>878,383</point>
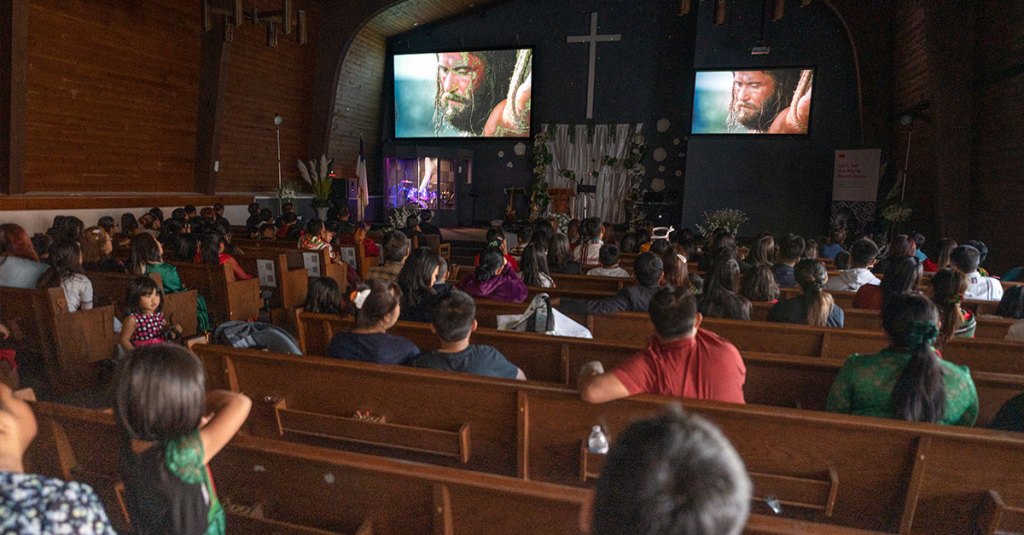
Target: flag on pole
<point>363,192</point>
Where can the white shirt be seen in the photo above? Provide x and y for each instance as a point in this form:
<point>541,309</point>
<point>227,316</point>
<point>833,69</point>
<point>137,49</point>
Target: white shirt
<point>850,280</point>
<point>610,272</point>
<point>78,292</point>
<point>983,288</point>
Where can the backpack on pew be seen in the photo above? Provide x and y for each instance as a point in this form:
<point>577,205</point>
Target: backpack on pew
<point>256,335</point>
<point>541,317</point>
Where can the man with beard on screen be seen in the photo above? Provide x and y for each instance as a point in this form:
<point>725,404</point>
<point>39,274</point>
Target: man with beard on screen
<point>469,87</point>
<point>772,102</point>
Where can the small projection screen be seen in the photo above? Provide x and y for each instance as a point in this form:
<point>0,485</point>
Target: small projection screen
<point>736,101</point>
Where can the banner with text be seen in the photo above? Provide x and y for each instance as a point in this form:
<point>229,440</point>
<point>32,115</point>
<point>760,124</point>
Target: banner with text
<point>855,188</point>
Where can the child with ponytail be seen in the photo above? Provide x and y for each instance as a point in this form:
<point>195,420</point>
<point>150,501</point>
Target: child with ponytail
<point>377,307</point>
<point>948,288</point>
<point>906,381</point>
<point>815,307</point>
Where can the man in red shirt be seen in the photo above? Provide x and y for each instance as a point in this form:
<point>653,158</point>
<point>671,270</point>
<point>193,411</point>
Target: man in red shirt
<point>681,360</point>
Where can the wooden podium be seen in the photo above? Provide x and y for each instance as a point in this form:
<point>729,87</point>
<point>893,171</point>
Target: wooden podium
<point>560,198</point>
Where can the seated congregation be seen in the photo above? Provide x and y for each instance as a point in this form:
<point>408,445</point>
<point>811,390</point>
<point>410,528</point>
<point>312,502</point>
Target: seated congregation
<point>172,417</point>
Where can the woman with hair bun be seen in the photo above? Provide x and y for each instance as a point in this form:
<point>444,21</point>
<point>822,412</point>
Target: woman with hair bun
<point>377,306</point>
<point>815,307</point>
<point>907,380</point>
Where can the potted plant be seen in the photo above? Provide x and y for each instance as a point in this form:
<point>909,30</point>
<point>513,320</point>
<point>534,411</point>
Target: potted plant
<point>318,175</point>
<point>729,219</point>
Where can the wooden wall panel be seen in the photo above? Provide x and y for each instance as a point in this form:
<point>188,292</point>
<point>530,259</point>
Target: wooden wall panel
<point>263,81</point>
<point>111,96</point>
<point>998,165</point>
<point>358,103</point>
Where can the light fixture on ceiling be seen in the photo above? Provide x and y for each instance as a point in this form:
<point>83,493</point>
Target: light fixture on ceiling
<point>233,13</point>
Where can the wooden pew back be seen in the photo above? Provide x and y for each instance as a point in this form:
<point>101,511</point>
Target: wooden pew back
<point>179,308</point>
<point>71,343</point>
<point>227,299</point>
<point>859,472</point>
<point>302,489</point>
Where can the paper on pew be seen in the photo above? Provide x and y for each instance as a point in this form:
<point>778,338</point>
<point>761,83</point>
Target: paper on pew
<point>564,325</point>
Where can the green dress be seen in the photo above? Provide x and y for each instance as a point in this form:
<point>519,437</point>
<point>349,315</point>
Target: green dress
<point>172,284</point>
<point>184,458</point>
<point>864,386</point>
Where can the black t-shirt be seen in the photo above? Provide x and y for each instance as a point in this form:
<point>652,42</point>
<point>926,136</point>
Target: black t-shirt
<point>475,359</point>
<point>379,348</point>
<point>795,311</point>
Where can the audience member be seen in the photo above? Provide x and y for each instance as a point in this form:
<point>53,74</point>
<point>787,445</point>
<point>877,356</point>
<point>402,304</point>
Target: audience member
<point>65,271</point>
<point>33,503</point>
<point>108,224</point>
<point>418,280</point>
<point>322,296</point>
<point>907,381</point>
<point>1010,416</point>
<point>672,474</point>
<point>96,249</point>
<point>836,243</point>
<point>496,238</point>
<point>494,279</point>
<point>815,307</point>
<point>534,267</point>
<point>318,237</point>
<point>677,273</point>
<point>899,247</point>
<point>966,259</point>
<point>19,265</point>
<point>902,276</point>
<point>560,256</point>
<point>942,261</point>
<point>790,250</point>
<point>649,272</point>
<point>591,240</point>
<point>721,298</point>
<point>213,254</point>
<point>146,256</point>
<point>288,227</point>
<point>759,284</point>
<point>680,360</point>
<point>426,227</point>
<point>161,400</point>
<point>862,256</point>
<point>145,323</point>
<point>609,259</point>
<point>842,260</point>
<point>982,254</point>
<point>396,250</point>
<point>1012,303</point>
<point>378,306</point>
<point>454,323</point>
<point>948,289</point>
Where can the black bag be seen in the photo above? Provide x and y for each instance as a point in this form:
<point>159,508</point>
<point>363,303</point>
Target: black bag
<point>541,313</point>
<point>256,334</point>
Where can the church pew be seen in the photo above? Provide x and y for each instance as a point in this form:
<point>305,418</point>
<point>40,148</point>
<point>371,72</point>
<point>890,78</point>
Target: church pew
<point>989,355</point>
<point>227,299</point>
<point>773,377</point>
<point>552,423</point>
<point>178,308</point>
<point>304,489</point>
<point>70,343</point>
<point>319,265</point>
<point>286,287</point>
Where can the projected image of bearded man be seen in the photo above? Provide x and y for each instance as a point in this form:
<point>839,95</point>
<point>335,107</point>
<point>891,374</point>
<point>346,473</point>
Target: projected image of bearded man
<point>469,86</point>
<point>774,102</point>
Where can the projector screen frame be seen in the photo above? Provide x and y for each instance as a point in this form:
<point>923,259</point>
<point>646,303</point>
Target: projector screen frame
<point>760,135</point>
<point>395,95</point>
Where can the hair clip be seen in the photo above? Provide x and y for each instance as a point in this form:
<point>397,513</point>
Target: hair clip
<point>358,298</point>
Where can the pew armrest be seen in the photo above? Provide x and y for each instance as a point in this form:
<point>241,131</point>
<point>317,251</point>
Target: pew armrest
<point>995,517</point>
<point>405,437</point>
<point>250,523</point>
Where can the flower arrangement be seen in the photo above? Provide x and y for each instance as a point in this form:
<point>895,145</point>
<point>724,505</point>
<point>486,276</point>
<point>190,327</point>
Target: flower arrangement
<point>397,216</point>
<point>562,220</point>
<point>286,192</point>
<point>729,219</point>
<point>539,196</point>
<point>317,174</point>
<point>635,170</point>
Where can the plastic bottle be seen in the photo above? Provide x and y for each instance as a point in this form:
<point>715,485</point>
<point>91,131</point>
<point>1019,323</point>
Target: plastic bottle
<point>597,442</point>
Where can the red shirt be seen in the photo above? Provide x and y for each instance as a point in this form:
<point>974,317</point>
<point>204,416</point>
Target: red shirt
<point>705,366</point>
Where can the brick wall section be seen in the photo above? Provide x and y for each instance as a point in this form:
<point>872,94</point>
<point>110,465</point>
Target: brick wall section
<point>997,198</point>
<point>358,103</point>
<point>111,96</point>
<point>263,81</point>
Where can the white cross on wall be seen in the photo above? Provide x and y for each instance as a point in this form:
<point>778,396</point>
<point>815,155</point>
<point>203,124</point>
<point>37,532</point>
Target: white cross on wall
<point>593,39</point>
